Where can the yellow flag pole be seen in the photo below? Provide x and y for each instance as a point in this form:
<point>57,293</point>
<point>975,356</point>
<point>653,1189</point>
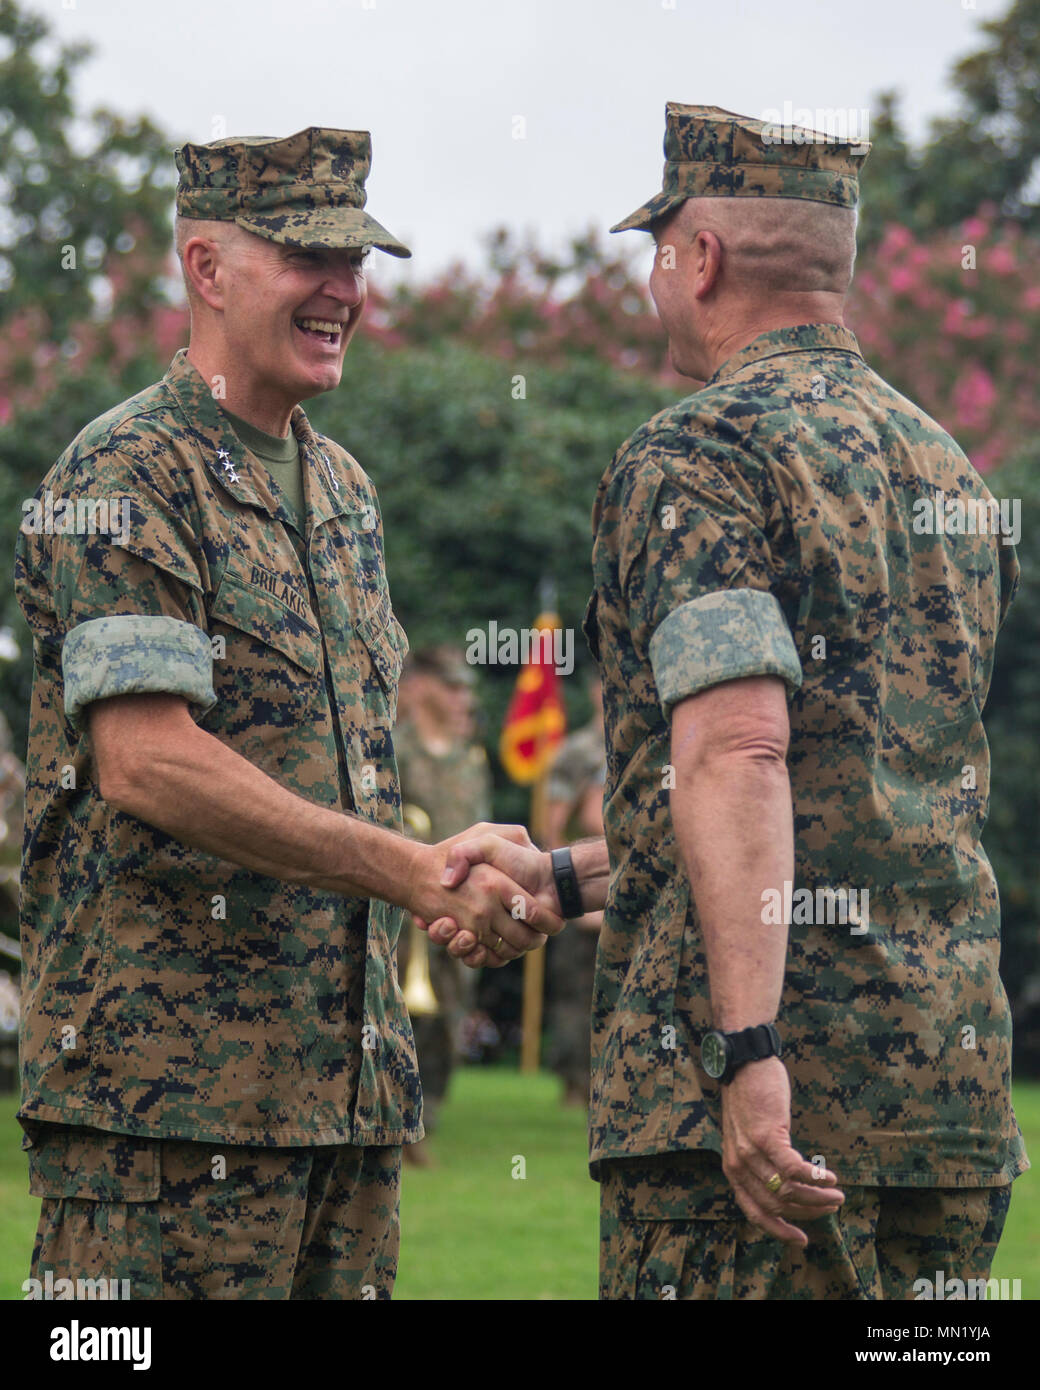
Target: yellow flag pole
<point>534,961</point>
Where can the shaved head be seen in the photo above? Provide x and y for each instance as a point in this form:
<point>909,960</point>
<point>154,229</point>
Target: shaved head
<point>775,244</point>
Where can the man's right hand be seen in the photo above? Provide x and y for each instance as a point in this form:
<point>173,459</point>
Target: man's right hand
<point>521,863</point>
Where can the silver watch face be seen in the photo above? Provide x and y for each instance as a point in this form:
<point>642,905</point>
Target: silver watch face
<point>713,1055</point>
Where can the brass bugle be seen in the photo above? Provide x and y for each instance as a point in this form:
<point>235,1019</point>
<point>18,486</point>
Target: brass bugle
<point>419,997</point>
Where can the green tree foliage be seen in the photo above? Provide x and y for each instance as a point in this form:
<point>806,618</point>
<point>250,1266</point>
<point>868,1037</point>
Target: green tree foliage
<point>486,492</point>
<point>985,154</point>
<point>76,337</point>
<point>1012,719</point>
<point>950,319</point>
<point>586,303</point>
<point>86,220</point>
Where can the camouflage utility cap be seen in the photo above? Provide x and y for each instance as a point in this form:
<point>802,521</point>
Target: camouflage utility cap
<point>305,190</point>
<point>711,153</point>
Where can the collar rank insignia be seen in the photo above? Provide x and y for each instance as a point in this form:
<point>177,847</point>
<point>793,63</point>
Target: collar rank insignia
<point>332,477</point>
<point>227,465</point>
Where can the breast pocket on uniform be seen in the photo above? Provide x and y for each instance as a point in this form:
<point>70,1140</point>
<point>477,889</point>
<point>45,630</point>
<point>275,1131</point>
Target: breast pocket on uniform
<point>387,645</point>
<point>352,561</point>
<point>267,658</point>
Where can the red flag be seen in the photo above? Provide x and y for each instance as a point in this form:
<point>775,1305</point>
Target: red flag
<point>535,720</point>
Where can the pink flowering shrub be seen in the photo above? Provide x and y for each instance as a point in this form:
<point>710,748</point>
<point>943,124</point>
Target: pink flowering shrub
<point>952,322</point>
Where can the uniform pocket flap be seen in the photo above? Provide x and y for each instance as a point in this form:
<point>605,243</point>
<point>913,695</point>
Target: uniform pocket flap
<point>388,648</point>
<point>93,1165</point>
<point>267,619</point>
<point>682,1186</point>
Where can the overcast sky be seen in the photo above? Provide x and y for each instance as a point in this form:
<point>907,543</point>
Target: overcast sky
<point>440,83</point>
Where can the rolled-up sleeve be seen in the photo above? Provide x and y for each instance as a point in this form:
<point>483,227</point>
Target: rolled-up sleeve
<point>722,637</point>
<point>135,655</point>
<point>128,606</point>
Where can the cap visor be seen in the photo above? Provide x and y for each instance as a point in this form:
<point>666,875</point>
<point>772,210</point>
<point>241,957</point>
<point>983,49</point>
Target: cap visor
<point>332,229</point>
<point>643,218</point>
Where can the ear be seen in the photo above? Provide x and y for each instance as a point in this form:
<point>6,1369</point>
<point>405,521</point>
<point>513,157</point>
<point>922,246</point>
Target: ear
<point>707,263</point>
<point>203,265</point>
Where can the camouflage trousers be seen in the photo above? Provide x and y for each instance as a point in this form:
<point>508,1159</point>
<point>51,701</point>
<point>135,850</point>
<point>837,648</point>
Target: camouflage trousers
<point>670,1228</point>
<point>184,1220</point>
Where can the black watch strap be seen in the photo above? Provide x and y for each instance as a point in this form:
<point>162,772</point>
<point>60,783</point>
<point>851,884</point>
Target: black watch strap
<point>566,881</point>
<point>752,1045</point>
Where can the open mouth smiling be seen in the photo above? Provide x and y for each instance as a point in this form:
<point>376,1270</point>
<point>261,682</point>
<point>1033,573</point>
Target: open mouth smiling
<point>324,330</point>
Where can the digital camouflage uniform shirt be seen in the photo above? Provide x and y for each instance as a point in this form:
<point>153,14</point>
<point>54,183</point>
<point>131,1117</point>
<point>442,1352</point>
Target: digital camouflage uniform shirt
<point>168,992</point>
<point>769,509</point>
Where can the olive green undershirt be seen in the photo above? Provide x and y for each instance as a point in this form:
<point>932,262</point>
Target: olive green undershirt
<point>281,458</point>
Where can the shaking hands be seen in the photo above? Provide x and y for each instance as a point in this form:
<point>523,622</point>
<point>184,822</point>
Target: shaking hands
<point>498,894</point>
<point>483,891</point>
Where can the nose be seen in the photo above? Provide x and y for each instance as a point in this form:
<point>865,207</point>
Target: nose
<point>345,283</point>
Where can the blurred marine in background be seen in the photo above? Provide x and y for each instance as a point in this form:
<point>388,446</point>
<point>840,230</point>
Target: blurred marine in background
<point>445,786</point>
<point>574,808</point>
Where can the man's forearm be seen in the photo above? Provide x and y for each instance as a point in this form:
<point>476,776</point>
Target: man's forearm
<point>734,822</point>
<point>207,796</point>
<point>592,866</point>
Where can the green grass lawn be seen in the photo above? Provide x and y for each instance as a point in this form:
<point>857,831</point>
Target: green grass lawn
<point>1018,1256</point>
<point>470,1230</point>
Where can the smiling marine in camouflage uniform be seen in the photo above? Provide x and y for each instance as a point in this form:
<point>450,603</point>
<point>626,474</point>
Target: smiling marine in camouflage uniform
<point>218,1068</point>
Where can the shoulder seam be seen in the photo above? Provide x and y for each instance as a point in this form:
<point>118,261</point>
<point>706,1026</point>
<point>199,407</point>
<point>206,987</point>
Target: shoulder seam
<point>107,444</point>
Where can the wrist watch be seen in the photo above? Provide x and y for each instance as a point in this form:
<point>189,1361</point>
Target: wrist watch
<point>566,881</point>
<point>723,1054</point>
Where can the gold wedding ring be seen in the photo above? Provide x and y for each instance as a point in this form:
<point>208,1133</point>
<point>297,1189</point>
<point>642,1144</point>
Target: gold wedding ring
<point>497,945</point>
<point>775,1183</point>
